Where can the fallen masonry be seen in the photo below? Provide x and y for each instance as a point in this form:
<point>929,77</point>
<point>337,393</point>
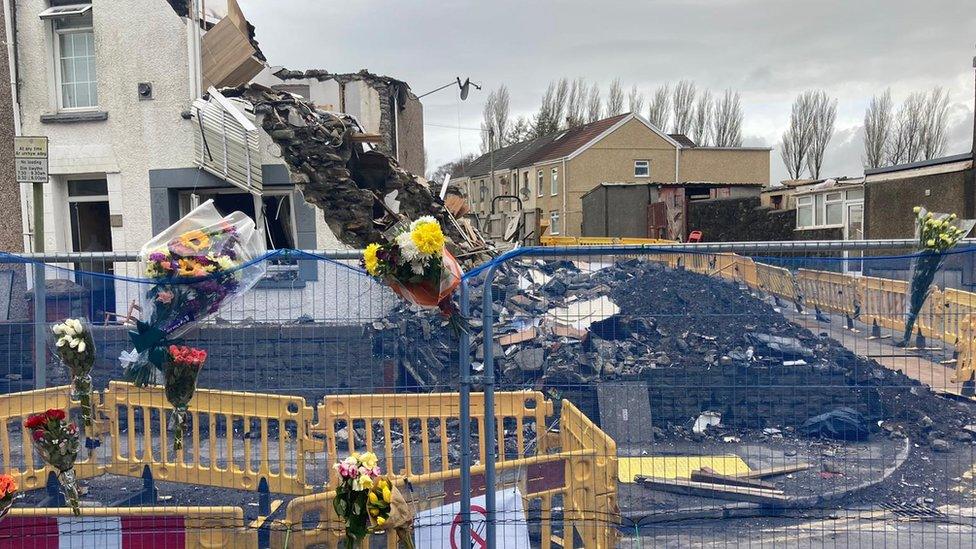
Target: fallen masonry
<point>701,345</point>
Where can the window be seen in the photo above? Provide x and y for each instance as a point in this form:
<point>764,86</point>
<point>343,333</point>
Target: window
<point>554,222</point>
<point>642,168</point>
<point>820,210</point>
<point>540,183</point>
<point>279,219</point>
<point>554,183</point>
<point>834,208</point>
<point>74,52</point>
<point>804,212</point>
<point>484,192</point>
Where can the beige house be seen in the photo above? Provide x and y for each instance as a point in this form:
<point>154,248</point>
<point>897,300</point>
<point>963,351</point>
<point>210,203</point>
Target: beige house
<point>623,149</point>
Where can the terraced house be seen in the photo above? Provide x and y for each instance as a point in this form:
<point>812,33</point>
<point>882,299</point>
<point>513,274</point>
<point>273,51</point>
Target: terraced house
<point>559,169</point>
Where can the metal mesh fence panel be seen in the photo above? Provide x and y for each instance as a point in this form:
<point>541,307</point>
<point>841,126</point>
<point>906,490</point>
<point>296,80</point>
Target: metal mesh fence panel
<point>615,397</point>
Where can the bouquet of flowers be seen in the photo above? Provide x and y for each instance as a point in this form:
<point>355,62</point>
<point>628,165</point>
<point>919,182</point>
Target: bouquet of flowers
<point>417,266</point>
<point>8,491</point>
<point>369,503</point>
<point>936,234</point>
<point>76,349</point>
<point>197,265</point>
<point>180,371</point>
<point>56,440</point>
<point>388,510</point>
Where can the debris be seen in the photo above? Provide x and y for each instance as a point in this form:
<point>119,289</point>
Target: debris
<point>707,474</point>
<point>842,423</point>
<point>582,315</point>
<point>706,420</point>
<point>678,466</point>
<point>518,337</point>
<point>717,491</point>
<point>940,445</point>
<point>531,359</point>
<point>568,331</point>
<point>775,471</point>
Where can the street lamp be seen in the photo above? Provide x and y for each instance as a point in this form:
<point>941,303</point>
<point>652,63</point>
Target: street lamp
<point>465,87</point>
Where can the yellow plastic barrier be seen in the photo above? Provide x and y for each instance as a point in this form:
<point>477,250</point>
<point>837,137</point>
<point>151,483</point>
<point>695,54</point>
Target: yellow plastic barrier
<point>578,466</point>
<point>268,450</point>
<point>28,471</point>
<point>202,527</point>
<point>600,241</point>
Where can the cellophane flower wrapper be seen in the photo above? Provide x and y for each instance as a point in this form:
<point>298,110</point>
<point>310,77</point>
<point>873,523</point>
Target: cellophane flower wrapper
<point>392,507</point>
<point>926,264</point>
<point>180,383</point>
<point>199,264</point>
<point>57,441</point>
<point>72,343</point>
<point>429,294</point>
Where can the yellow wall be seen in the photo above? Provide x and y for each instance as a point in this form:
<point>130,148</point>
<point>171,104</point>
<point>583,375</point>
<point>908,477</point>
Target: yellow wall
<point>725,165</point>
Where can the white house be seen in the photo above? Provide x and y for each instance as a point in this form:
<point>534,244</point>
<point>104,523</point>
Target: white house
<point>112,86</point>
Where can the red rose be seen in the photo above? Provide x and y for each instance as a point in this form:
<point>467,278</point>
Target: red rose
<point>72,429</point>
<point>55,414</point>
<point>35,421</point>
<point>38,434</point>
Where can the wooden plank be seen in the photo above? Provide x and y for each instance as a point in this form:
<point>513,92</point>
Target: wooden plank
<point>717,491</point>
<point>518,337</point>
<point>710,476</point>
<point>775,471</point>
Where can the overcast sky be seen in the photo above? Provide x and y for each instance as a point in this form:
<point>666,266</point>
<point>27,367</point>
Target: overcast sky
<point>768,50</point>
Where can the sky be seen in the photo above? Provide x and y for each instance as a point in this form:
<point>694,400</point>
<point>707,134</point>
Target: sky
<point>768,50</point>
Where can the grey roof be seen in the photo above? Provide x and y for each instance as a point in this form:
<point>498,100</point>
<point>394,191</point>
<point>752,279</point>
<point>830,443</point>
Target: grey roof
<point>507,157</point>
<point>682,139</point>
<point>920,164</point>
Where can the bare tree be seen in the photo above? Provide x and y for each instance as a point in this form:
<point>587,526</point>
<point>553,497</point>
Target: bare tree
<point>877,130</point>
<point>701,126</point>
<point>682,106</point>
<point>520,130</point>
<point>659,110</point>
<point>549,118</point>
<point>594,105</point>
<point>936,123</point>
<point>906,143</point>
<point>798,136</point>
<point>615,98</point>
<point>822,119</point>
<point>576,104</point>
<point>727,120</point>
<point>635,100</point>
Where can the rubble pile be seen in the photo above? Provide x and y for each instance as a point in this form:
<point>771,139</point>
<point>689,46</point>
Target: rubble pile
<point>701,345</point>
<point>361,192</point>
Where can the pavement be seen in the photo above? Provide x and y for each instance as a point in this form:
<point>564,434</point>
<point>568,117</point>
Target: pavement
<point>867,528</point>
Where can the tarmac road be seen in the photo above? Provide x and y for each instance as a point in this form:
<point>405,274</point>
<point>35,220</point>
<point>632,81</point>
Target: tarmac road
<point>875,528</point>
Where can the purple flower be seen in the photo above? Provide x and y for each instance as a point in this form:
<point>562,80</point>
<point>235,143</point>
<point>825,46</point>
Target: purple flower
<point>157,256</point>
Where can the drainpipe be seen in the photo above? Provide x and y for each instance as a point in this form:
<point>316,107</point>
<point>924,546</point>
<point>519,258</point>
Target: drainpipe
<point>396,127</point>
<point>564,190</point>
<point>677,162</point>
<point>10,23</point>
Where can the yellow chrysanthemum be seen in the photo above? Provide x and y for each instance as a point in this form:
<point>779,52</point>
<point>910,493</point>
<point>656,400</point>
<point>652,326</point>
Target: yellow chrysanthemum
<point>195,240</point>
<point>428,238</point>
<point>370,260</point>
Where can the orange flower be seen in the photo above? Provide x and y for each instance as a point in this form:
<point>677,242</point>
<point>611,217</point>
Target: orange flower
<point>195,240</point>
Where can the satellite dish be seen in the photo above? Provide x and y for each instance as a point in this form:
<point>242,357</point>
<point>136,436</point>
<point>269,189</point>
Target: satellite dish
<point>511,231</point>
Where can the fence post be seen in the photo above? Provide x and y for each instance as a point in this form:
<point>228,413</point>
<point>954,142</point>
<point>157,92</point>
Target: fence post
<point>464,355</point>
<point>40,325</point>
<point>488,340</point>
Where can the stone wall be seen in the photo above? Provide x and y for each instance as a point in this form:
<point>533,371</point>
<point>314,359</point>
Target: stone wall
<point>740,220</point>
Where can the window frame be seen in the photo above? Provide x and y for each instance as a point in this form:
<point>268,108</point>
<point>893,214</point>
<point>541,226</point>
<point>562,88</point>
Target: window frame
<point>57,37</point>
<point>647,166</point>
<point>202,195</point>
<point>810,203</point>
<point>818,204</point>
<point>838,200</point>
<point>554,222</point>
<point>540,178</point>
<point>554,181</point>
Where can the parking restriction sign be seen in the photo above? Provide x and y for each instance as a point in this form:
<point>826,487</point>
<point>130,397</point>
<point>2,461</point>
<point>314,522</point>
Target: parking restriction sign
<point>30,159</point>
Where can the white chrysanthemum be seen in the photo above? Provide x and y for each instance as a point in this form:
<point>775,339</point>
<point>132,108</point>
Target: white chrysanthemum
<point>61,342</point>
<point>81,347</point>
<point>407,247</point>
<point>57,329</point>
<point>68,330</point>
<point>417,268</point>
<point>421,220</point>
<point>73,343</point>
<point>76,325</point>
